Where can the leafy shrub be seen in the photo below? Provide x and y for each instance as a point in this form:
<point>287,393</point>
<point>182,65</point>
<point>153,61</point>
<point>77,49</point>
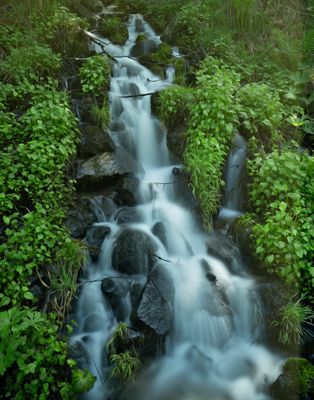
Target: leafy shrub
<point>30,343</point>
<point>213,119</point>
<point>261,110</point>
<point>29,62</point>
<point>174,104</point>
<point>113,28</point>
<point>95,74</point>
<point>281,195</point>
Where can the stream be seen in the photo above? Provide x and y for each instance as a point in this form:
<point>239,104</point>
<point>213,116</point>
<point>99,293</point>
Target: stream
<point>209,314</point>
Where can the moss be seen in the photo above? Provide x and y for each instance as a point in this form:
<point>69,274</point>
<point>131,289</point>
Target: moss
<point>113,28</point>
<point>301,373</point>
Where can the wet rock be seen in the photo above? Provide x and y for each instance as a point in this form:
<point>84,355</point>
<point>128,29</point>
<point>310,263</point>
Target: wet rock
<point>116,126</point>
<point>270,297</point>
<point>176,140</point>
<point>156,306</point>
<point>94,140</point>
<point>199,361</point>
<point>115,290</point>
<point>103,207</point>
<point>80,217</point>
<point>159,230</point>
<point>92,323</point>
<point>132,252</point>
<point>106,167</point>
<point>296,381</point>
<point>127,215</point>
<point>78,352</point>
<point>128,191</point>
<point>143,47</point>
<point>95,237</point>
<point>221,247</point>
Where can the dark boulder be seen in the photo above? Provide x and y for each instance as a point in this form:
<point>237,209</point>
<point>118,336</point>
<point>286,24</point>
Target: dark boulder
<point>156,307</point>
<point>94,140</point>
<point>78,352</point>
<point>95,237</point>
<point>221,247</point>
<point>132,252</point>
<point>128,215</point>
<point>176,140</point>
<point>79,217</point>
<point>128,192</point>
<point>115,290</point>
<point>296,381</point>
<point>159,230</point>
<point>143,47</point>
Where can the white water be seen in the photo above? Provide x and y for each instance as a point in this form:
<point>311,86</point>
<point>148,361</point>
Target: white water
<point>211,352</point>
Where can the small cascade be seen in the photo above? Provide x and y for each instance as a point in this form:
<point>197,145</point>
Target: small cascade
<point>154,267</point>
<point>234,174</point>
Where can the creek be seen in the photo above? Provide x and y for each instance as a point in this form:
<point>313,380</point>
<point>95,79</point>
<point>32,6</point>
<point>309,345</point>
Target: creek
<point>155,266</point>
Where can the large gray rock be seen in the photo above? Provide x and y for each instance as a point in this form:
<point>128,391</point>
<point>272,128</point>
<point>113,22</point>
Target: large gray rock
<point>132,252</point>
<point>94,140</point>
<point>105,167</point>
<point>156,306</point>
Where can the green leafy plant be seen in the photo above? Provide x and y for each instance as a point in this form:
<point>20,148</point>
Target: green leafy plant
<point>95,74</point>
<point>31,345</point>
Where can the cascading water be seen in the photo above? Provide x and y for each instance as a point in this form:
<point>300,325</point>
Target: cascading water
<point>211,351</point>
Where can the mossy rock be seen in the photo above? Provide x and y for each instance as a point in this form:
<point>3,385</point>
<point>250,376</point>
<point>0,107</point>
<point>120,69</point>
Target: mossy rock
<point>158,60</point>
<point>93,5</point>
<point>112,27</point>
<point>297,379</point>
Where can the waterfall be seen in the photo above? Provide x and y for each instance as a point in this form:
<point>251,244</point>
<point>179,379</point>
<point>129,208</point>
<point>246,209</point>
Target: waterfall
<point>212,348</point>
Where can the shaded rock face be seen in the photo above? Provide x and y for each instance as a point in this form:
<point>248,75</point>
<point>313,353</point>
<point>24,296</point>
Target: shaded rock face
<point>94,140</point>
<point>132,252</point>
<point>95,237</point>
<point>80,355</point>
<point>127,215</point>
<point>296,381</point>
<point>143,47</point>
<point>221,247</point>
<point>156,306</point>
<point>115,291</point>
<point>128,191</point>
<point>80,217</point>
<point>106,167</point>
<point>176,140</point>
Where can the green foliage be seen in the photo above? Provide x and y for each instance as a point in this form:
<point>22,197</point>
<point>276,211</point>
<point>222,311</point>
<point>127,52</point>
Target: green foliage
<point>309,45</point>
<point>300,375</point>
<point>281,195</point>
<point>261,110</point>
<point>29,62</point>
<point>125,365</point>
<point>119,333</point>
<point>38,139</point>
<point>82,381</point>
<point>113,28</point>
<point>100,114</point>
<point>213,119</point>
<point>29,344</point>
<point>289,321</point>
<point>95,75</point>
<point>174,104</point>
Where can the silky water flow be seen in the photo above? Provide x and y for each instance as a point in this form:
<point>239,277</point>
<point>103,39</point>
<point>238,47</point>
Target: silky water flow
<point>212,351</point>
